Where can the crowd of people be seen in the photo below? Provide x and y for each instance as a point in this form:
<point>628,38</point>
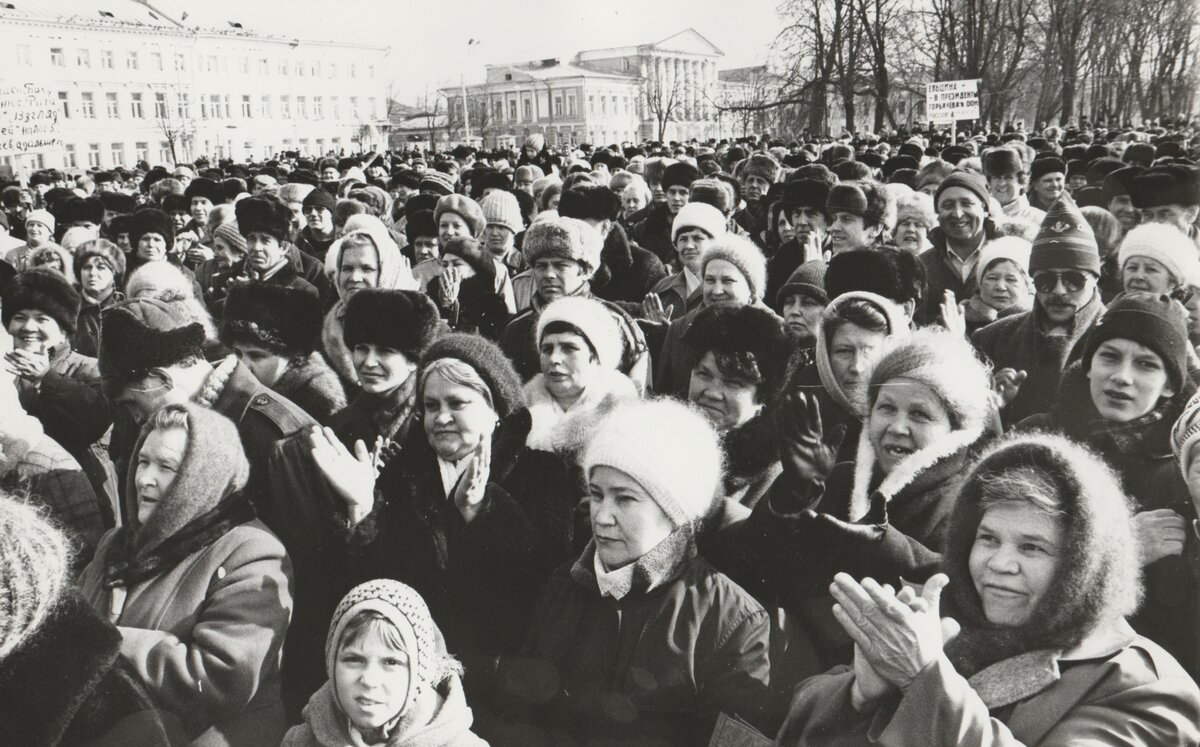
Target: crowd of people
<point>842,441</point>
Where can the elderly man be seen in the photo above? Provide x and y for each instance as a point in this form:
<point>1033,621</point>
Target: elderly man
<point>964,225</point>
<point>1169,194</point>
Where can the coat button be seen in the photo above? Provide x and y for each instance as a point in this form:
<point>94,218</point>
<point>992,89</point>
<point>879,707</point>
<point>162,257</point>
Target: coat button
<point>261,400</point>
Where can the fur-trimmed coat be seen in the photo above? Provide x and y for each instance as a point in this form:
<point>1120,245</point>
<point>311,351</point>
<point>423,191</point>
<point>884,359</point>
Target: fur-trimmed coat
<point>313,387</point>
<point>654,667</point>
<point>627,271</point>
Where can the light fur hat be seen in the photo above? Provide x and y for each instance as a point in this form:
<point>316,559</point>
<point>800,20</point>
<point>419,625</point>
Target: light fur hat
<point>1166,245</point>
<point>699,215</point>
<point>669,448</point>
<point>1011,248</point>
<point>566,238</point>
<point>591,318</point>
<point>742,253</point>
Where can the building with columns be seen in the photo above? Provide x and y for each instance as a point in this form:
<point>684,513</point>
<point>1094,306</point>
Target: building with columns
<point>135,83</point>
<point>661,90</point>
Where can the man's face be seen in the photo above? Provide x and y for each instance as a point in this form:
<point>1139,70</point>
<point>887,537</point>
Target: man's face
<point>1123,210</point>
<point>677,197</point>
<point>555,277</point>
<point>263,251</point>
<point>184,176</point>
<point>1076,183</point>
<point>142,398</point>
<point>330,174</point>
<point>1061,292</point>
<point>1182,217</point>
<point>808,221</point>
<point>319,219</point>
<point>1050,186</point>
<point>1005,187</point>
<point>201,207</point>
<point>754,188</point>
<point>425,247</point>
<point>961,213</point>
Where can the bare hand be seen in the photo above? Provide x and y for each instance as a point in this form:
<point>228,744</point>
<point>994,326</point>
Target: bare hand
<point>812,248</point>
<point>653,311</point>
<point>28,364</point>
<point>198,252</point>
<point>1007,382</point>
<point>472,485</point>
<point>953,315</point>
<point>1160,533</point>
<point>352,476</point>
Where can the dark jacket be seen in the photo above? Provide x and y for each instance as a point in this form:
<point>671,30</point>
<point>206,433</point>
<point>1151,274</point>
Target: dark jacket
<point>69,403</point>
<point>629,270</point>
<point>751,460</point>
<point>87,326</point>
<point>311,245</point>
<point>313,387</point>
<point>654,233</point>
<point>940,277</point>
<point>478,309</point>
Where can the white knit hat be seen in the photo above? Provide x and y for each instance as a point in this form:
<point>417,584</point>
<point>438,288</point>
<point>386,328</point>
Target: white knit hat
<point>699,215</point>
<point>501,208</point>
<point>1166,245</point>
<point>591,318</point>
<point>40,216</point>
<point>742,253</point>
<point>669,448</point>
<point>1011,248</point>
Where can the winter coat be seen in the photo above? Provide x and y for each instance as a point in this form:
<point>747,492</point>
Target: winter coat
<point>653,233</point>
<point>87,326</point>
<point>67,685</point>
<point>674,363</point>
<point>840,426</point>
<point>655,667</point>
<point>629,271</point>
<point>312,386</point>
<point>1130,692</point>
<point>978,314</point>
<point>1020,342</point>
<point>442,721</point>
<point>479,307</point>
<point>672,291</point>
<point>941,277</point>
<point>69,402</point>
<point>370,416</point>
<point>1020,210</point>
<point>311,245</point>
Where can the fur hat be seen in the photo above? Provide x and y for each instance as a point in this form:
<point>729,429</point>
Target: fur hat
<point>501,209</point>
<point>42,290</point>
<point>1156,322</point>
<point>593,321</point>
<point>420,224</point>
<point>809,193</point>
<point>710,192</point>
<point>1046,165</point>
<point>320,198</point>
<point>488,360</point>
<point>118,202</point>
<point>175,204</point>
<point>668,448</point>
<point>206,188</point>
<point>151,220</point>
<point>760,165</point>
<point>264,215</point>
<point>145,333</point>
<point>1166,245</point>
<point>744,329</point>
<point>1100,168</point>
<point>808,279</point>
<point>679,174</point>
<point>105,250</point>
<point>916,205</point>
<point>743,254</point>
<point>1065,240</point>
<point>1172,184</point>
<point>1005,248</point>
<point>284,320</point>
<point>463,207</point>
<point>1119,182</point>
<point>402,320</point>
<point>437,182</point>
<point>35,571</point>
<point>45,217</point>
<point>81,210</point>
<point>567,238</point>
<point>473,253</point>
<point>1002,162</point>
<point>1141,154</point>
<point>868,200</point>
<point>699,215</point>
<point>896,275</point>
<point>589,202</point>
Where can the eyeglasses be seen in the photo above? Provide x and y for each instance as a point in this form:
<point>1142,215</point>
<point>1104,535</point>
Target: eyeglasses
<point>1072,280</point>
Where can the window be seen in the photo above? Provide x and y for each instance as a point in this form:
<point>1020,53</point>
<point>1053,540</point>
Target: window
<point>214,106</point>
<point>228,111</point>
<point>180,63</point>
<point>117,152</point>
<point>135,106</point>
<point>264,67</point>
<point>353,70</point>
<point>558,106</point>
<point>316,69</point>
<point>283,67</point>
<point>498,110</point>
<point>604,105</point>
<point>370,71</point>
<point>372,111</point>
<point>66,108</point>
<point>184,106</point>
<point>83,58</point>
<point>131,61</point>
<point>512,110</point>
<point>164,152</point>
<point>527,109</point>
<point>591,104</point>
<point>210,63</point>
<point>88,105</point>
<point>71,160</point>
<point>336,107</point>
<point>160,106</point>
<point>302,107</point>
<point>56,57</point>
<point>156,61</point>
<point>110,106</point>
<point>23,56</point>
<point>244,65</point>
<point>285,107</point>
<point>141,151</point>
<point>246,112</point>
<point>203,108</point>
<point>106,59</point>
<point>264,109</point>
<point>316,114</point>
<point>301,69</point>
<point>94,155</point>
<point>571,111</point>
<point>354,107</point>
<point>333,70</point>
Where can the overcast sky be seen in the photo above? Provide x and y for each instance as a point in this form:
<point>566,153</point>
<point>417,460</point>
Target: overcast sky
<point>428,40</point>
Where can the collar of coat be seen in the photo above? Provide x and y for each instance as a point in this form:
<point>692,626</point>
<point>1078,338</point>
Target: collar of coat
<point>566,433</point>
<point>440,717</point>
<point>661,565</point>
<point>749,448</point>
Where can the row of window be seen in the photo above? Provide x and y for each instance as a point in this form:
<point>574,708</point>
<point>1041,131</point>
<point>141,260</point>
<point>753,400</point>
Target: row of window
<point>213,106</point>
<point>133,60</point>
<point>117,154</point>
<point>608,105</point>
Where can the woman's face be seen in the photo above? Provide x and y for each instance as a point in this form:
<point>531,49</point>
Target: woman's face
<point>152,247</point>
<point>1126,380</point>
<point>907,416</point>
<point>158,465</point>
<point>499,239</point>
<point>690,244</point>
<point>568,365</point>
<point>911,234</point>
<point>626,522</point>
<point>228,254</point>
<point>380,369</point>
<point>727,401</point>
<point>632,201</point>
<point>802,313</point>
<point>36,331</point>
<point>1145,274</point>
<point>783,228</point>
<point>1013,561</point>
<point>371,679</point>
<point>1002,285</point>
<point>723,281</point>
<point>852,350</point>
<point>451,225</point>
<point>37,233</point>
<point>359,269</point>
<point>453,260</point>
<point>457,417</point>
<point>96,278</point>
<point>266,365</point>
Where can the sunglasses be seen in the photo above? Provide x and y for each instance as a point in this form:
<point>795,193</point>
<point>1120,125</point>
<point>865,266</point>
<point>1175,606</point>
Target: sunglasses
<point>1072,280</point>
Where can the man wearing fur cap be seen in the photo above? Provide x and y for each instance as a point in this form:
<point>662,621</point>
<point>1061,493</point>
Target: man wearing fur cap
<point>1169,194</point>
<point>1007,181</point>
<point>861,215</point>
<point>564,254</point>
<point>265,223</point>
<point>654,232</point>
<point>756,175</point>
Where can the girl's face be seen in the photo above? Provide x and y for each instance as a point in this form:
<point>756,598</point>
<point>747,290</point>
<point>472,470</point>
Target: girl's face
<point>627,523</point>
<point>907,416</point>
<point>457,417</point>
<point>567,364</point>
<point>1002,285</point>
<point>96,278</point>
<point>371,679</point>
<point>158,465</point>
<point>451,225</point>
<point>1126,380</point>
<point>380,369</point>
<point>1145,274</point>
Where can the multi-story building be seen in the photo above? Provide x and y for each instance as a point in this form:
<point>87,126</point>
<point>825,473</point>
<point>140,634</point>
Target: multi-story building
<point>662,90</point>
<point>135,84</point>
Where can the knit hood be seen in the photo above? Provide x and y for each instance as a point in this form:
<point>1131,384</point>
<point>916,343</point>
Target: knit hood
<point>394,272</point>
<point>897,326</point>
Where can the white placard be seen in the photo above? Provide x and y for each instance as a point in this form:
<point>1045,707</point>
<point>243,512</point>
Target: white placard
<point>952,100</point>
<point>28,119</point>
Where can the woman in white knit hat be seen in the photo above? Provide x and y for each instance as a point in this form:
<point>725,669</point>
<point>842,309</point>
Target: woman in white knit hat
<point>640,640</point>
<point>1157,258</point>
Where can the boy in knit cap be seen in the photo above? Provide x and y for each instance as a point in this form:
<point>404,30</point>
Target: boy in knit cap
<point>502,215</point>
<point>1029,350</point>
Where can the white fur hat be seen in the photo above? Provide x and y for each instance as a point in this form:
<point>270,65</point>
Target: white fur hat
<point>669,448</point>
<point>1011,248</point>
<point>591,318</point>
<point>1166,245</point>
<point>699,215</point>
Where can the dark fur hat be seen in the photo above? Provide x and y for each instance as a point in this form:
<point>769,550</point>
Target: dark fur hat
<point>402,320</point>
<point>895,275</point>
<point>145,333</point>
<point>589,202</point>
<point>1172,184</point>
<point>150,220</point>
<point>118,202</point>
<point>679,175</point>
<point>283,320</point>
<point>43,290</point>
<point>867,199</point>
<point>80,210</point>
<point>176,204</point>
<point>1002,162</point>
<point>1046,165</point>
<point>1119,182</point>
<point>756,336</point>
<point>1141,154</point>
<point>488,360</point>
<point>808,193</point>
<point>473,253</point>
<point>264,215</point>
<point>206,188</point>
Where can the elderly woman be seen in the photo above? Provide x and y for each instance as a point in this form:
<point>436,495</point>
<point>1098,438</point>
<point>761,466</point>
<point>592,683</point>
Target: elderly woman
<point>1043,572</point>
<point>640,640</point>
<point>1002,286</point>
<point>199,589</point>
<point>915,218</point>
<point>1157,258</point>
<point>696,227</point>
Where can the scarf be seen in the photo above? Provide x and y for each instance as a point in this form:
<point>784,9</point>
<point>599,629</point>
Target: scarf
<point>554,429</point>
<point>433,719</point>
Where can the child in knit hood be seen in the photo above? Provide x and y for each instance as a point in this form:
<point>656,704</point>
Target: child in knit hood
<point>391,680</point>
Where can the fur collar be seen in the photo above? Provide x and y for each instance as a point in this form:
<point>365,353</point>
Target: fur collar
<point>616,253</point>
<point>553,430</point>
<point>334,346</point>
<point>216,381</point>
<point>750,448</point>
<point>311,371</point>
<point>660,566</point>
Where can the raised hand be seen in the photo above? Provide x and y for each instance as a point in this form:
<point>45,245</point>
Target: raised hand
<point>29,365</point>
<point>953,315</point>
<point>1160,533</point>
<point>352,476</point>
<point>471,488</point>
<point>805,453</point>
<point>653,311</point>
<point>1007,382</point>
<point>449,284</point>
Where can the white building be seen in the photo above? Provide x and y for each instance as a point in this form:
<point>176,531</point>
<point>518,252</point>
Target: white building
<point>133,82</point>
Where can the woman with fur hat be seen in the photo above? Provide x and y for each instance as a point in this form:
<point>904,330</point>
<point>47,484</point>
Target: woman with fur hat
<point>200,590</point>
<point>391,679</point>
<point>915,218</point>
<point>433,517</point>
<point>152,236</point>
<point>275,330</point>
<point>1042,574</point>
<point>99,270</point>
<point>470,290</point>
<point>700,643</point>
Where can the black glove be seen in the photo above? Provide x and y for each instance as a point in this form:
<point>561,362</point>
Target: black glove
<point>804,453</point>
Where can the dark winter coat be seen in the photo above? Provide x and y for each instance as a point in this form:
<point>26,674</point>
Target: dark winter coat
<point>67,685</point>
<point>478,309</point>
<point>672,291</point>
<point>370,416</point>
<point>941,277</point>
<point>313,246</point>
<point>69,402</point>
<point>840,427</point>
<point>653,233</point>
<point>655,667</point>
<point>781,265</point>
<point>87,326</point>
<point>1020,342</point>
<point>313,387</point>
<point>629,270</point>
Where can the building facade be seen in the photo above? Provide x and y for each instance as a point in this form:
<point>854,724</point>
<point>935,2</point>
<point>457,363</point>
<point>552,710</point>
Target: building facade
<point>135,84</point>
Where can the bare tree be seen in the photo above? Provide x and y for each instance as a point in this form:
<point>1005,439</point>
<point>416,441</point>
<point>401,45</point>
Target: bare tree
<point>664,96</point>
<point>177,130</point>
